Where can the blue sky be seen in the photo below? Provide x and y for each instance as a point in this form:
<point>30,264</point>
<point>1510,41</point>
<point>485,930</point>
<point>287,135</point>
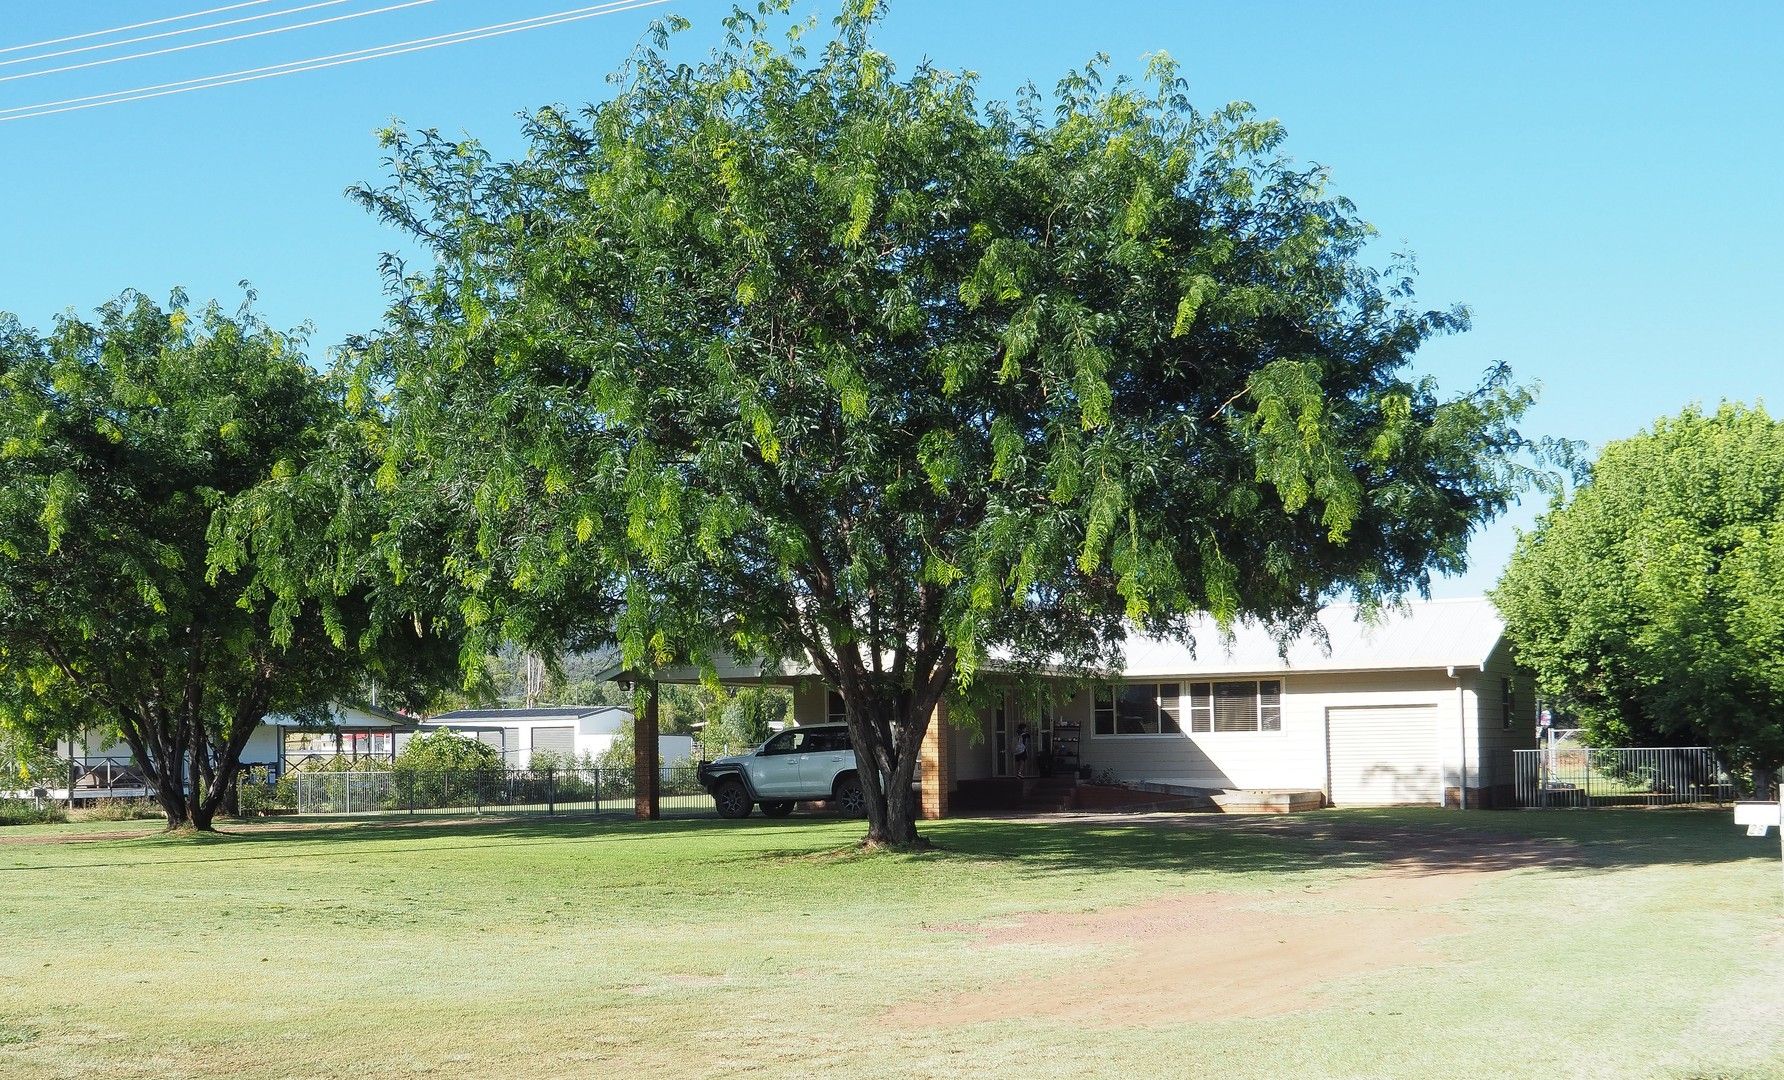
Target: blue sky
<point>1601,183</point>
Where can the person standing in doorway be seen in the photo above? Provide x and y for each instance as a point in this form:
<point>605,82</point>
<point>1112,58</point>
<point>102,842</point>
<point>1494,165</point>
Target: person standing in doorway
<point>1021,751</point>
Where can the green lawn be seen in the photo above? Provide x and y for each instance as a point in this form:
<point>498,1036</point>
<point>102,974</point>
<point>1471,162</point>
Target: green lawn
<point>1403,943</point>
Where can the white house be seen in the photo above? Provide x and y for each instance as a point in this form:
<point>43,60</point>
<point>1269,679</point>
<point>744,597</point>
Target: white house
<point>579,730</point>
<point>1423,706</point>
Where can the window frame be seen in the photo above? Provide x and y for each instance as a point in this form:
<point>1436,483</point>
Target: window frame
<point>1165,707</point>
<point>1266,706</point>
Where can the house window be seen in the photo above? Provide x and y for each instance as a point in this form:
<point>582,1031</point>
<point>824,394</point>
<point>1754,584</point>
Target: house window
<point>836,710</point>
<point>1139,709</point>
<point>1507,702</point>
<point>1235,706</point>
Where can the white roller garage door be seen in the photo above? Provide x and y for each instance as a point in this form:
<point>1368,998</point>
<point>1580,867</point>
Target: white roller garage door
<point>558,740</point>
<point>1382,755</point>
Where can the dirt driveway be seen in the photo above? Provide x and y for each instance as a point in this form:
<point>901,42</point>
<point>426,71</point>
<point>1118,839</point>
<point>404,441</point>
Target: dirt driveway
<point>1214,955</point>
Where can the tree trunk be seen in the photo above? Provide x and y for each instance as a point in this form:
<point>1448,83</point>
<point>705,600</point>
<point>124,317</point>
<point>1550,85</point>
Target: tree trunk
<point>900,829</point>
<point>891,811</point>
<point>169,782</point>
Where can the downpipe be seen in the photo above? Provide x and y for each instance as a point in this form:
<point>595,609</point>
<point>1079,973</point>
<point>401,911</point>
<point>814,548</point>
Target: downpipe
<point>1462,746</point>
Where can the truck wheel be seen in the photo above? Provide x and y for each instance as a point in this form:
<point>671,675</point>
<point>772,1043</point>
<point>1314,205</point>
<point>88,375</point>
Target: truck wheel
<point>849,800</point>
<point>776,809</point>
<point>731,800</point>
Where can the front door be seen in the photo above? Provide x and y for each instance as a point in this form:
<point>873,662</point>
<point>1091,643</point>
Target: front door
<point>1040,743</point>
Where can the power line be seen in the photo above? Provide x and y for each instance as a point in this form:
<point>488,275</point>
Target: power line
<point>316,62</point>
<point>215,41</point>
<point>173,33</point>
<point>295,67</point>
<point>134,26</point>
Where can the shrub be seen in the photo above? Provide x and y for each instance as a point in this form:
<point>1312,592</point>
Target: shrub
<point>118,810</point>
<point>258,793</point>
<point>443,750</point>
<point>681,780</point>
<point>342,764</point>
<point>556,761</point>
<point>27,812</point>
<point>444,768</point>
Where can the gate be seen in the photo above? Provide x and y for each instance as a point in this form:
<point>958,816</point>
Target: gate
<point>1568,773</point>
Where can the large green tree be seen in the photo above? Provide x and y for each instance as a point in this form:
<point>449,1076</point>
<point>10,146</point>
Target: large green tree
<point>782,354</point>
<point>1650,602</point>
<point>124,607</point>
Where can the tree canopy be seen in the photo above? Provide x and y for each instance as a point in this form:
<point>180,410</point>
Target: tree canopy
<point>1650,603</point>
<point>786,355</point>
<point>124,606</point>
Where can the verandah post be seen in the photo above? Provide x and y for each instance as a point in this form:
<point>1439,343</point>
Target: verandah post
<point>646,806</point>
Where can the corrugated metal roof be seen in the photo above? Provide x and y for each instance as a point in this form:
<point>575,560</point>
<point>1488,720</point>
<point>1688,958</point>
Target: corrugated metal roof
<point>1428,634</point>
<point>1417,635</point>
<point>545,712</point>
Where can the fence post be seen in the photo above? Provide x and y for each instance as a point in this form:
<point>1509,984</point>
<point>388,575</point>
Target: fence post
<point>348,788</point>
<point>551,791</point>
<point>477,782</point>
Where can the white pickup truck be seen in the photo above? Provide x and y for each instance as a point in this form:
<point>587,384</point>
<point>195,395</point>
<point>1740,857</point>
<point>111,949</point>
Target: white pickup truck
<point>813,763</point>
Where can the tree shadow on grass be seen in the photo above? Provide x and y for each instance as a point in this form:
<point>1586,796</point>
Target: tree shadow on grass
<point>1396,841</point>
<point>1389,841</point>
<point>336,839</point>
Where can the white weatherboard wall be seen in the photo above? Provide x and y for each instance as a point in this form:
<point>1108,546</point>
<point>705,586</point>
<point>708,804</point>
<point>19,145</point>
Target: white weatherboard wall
<point>1490,755</point>
<point>1290,758</point>
<point>1293,758</point>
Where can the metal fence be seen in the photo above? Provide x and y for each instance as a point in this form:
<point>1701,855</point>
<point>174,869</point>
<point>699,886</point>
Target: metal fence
<point>477,791</point>
<point>1568,774</point>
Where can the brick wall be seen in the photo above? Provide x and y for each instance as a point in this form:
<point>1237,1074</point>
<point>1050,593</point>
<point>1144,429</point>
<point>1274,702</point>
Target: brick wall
<point>935,760</point>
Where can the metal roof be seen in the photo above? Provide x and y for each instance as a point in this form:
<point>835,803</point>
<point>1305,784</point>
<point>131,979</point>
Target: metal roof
<point>544,712</point>
<point>1427,634</point>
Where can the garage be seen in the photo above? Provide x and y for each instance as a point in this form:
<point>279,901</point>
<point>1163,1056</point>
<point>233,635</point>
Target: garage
<point>1383,755</point>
